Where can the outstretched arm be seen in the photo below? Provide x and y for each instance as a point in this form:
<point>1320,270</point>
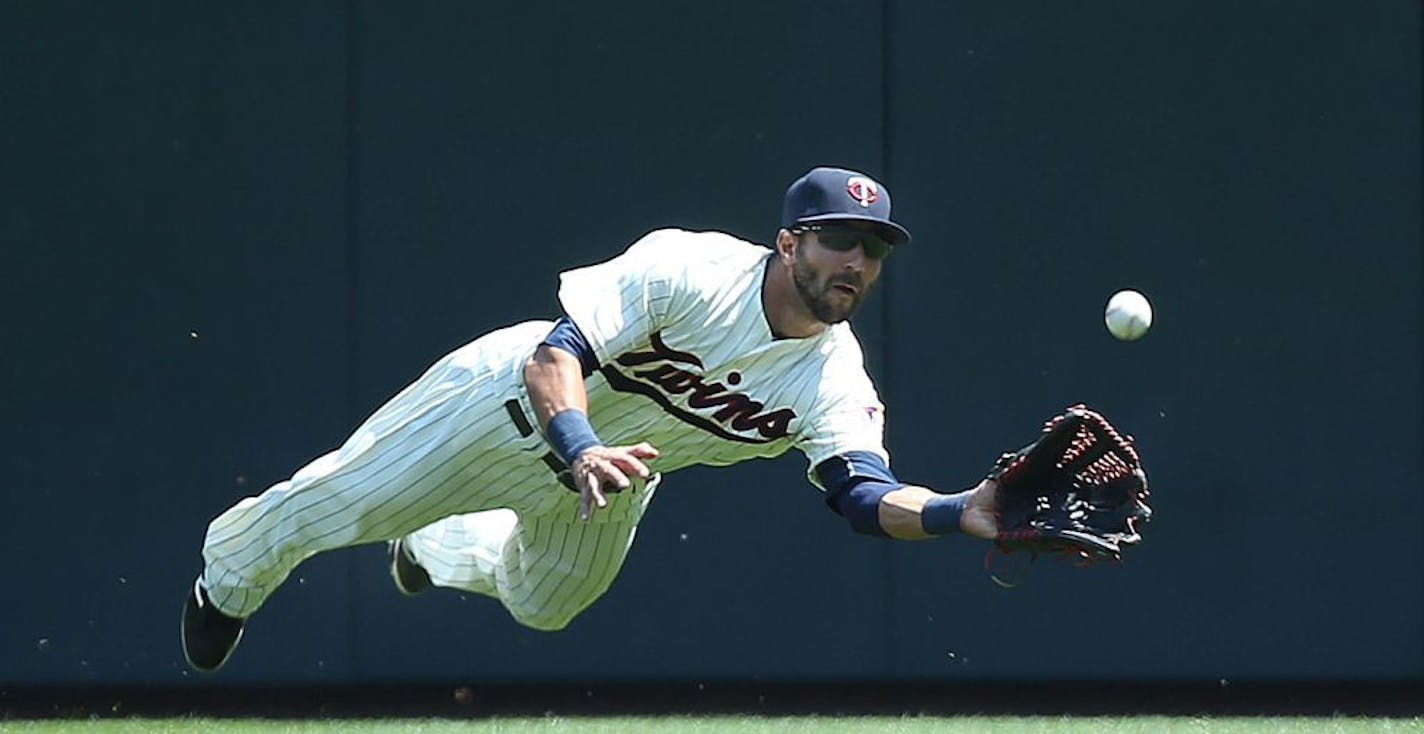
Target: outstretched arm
<point>860,487</point>
<point>902,512</point>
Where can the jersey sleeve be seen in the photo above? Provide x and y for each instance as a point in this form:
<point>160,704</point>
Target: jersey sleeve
<point>849,417</point>
<point>617,303</point>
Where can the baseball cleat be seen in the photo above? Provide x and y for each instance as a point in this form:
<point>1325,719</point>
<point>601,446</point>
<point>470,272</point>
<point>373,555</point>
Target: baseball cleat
<point>209,636</point>
<point>410,578</point>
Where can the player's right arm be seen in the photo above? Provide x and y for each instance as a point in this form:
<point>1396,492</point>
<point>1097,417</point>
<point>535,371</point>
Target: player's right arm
<point>554,377</point>
<point>609,307</point>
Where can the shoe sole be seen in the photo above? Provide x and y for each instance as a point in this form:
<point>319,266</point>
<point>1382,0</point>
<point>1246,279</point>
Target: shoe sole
<point>398,555</point>
<point>183,631</point>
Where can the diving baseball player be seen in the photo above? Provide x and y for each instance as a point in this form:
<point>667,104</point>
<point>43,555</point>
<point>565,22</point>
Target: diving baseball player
<point>519,465</point>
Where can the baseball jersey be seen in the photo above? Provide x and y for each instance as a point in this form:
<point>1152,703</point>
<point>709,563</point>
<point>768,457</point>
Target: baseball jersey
<point>688,361</point>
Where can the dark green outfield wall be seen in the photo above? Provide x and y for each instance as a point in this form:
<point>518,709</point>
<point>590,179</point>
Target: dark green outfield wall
<point>228,234</point>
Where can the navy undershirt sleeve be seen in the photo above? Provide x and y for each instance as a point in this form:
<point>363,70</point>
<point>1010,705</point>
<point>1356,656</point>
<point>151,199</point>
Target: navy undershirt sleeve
<point>566,336</point>
<point>855,481</point>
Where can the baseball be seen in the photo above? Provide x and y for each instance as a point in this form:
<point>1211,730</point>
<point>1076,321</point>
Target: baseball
<point>1128,315</point>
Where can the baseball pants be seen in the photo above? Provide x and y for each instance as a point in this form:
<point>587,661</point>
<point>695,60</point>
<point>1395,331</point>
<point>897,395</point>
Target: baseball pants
<point>454,464</point>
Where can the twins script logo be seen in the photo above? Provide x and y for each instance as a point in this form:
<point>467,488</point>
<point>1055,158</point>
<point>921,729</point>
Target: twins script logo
<point>659,373</point>
<point>863,190</point>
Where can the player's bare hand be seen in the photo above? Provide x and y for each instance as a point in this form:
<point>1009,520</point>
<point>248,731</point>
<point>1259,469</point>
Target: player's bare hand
<point>606,469</point>
<point>978,516</point>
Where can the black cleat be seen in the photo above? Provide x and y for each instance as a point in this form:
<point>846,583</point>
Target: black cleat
<point>410,578</point>
<point>209,636</point>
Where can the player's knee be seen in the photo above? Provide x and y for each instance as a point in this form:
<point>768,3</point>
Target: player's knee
<point>545,620</point>
<point>552,618</point>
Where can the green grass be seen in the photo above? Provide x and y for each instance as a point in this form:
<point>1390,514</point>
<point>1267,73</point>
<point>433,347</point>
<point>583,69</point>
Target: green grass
<point>730,725</point>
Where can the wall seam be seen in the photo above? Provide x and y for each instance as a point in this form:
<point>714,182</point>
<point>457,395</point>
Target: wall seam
<point>352,274</point>
<point>890,640</point>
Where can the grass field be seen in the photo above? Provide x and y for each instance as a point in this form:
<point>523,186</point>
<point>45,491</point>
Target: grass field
<point>730,725</point>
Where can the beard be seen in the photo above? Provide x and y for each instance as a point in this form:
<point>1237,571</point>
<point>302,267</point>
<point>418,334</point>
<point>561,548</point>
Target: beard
<point>827,304</point>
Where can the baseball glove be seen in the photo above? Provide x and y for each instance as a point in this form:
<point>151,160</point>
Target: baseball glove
<point>1078,491</point>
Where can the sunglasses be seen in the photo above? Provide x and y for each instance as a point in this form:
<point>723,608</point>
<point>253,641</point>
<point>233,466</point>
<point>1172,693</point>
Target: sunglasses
<point>844,239</point>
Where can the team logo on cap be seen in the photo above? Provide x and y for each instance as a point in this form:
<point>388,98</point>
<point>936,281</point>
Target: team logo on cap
<point>862,190</point>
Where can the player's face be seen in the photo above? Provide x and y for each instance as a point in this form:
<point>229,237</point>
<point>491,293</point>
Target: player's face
<point>835,267</point>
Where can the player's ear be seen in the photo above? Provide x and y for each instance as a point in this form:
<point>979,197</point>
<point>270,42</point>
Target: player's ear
<point>786,246</point>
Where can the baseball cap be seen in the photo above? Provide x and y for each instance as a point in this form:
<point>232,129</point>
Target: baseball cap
<point>828,194</point>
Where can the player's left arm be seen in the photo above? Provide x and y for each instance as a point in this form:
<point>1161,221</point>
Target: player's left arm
<point>860,487</point>
<point>903,512</point>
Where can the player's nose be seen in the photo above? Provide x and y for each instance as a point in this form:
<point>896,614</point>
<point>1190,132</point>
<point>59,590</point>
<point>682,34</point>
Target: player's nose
<point>855,258</point>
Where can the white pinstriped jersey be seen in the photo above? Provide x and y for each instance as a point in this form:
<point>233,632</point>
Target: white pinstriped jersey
<point>453,464</point>
<point>689,363</point>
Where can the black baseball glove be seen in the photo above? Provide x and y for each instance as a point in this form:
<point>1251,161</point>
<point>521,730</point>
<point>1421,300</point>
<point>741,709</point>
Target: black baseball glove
<point>1078,491</point>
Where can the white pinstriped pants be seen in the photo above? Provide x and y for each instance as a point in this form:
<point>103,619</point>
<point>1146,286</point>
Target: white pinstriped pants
<point>442,463</point>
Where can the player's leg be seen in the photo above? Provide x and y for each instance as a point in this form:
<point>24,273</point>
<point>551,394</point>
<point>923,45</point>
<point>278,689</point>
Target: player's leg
<point>459,552</point>
<point>426,454</point>
<point>400,468</point>
<point>545,567</point>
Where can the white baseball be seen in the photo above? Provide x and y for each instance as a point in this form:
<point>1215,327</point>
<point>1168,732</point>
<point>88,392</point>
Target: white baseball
<point>1128,315</point>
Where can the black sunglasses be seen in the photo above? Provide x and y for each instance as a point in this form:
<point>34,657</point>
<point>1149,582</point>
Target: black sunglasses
<point>844,239</point>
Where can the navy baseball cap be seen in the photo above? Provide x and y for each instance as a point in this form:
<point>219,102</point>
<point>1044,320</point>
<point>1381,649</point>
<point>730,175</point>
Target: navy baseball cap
<point>829,194</point>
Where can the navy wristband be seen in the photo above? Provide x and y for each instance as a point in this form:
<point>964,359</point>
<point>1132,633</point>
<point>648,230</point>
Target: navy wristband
<point>941,514</point>
<point>570,434</point>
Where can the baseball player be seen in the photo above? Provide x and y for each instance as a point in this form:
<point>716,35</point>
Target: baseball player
<point>519,465</point>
